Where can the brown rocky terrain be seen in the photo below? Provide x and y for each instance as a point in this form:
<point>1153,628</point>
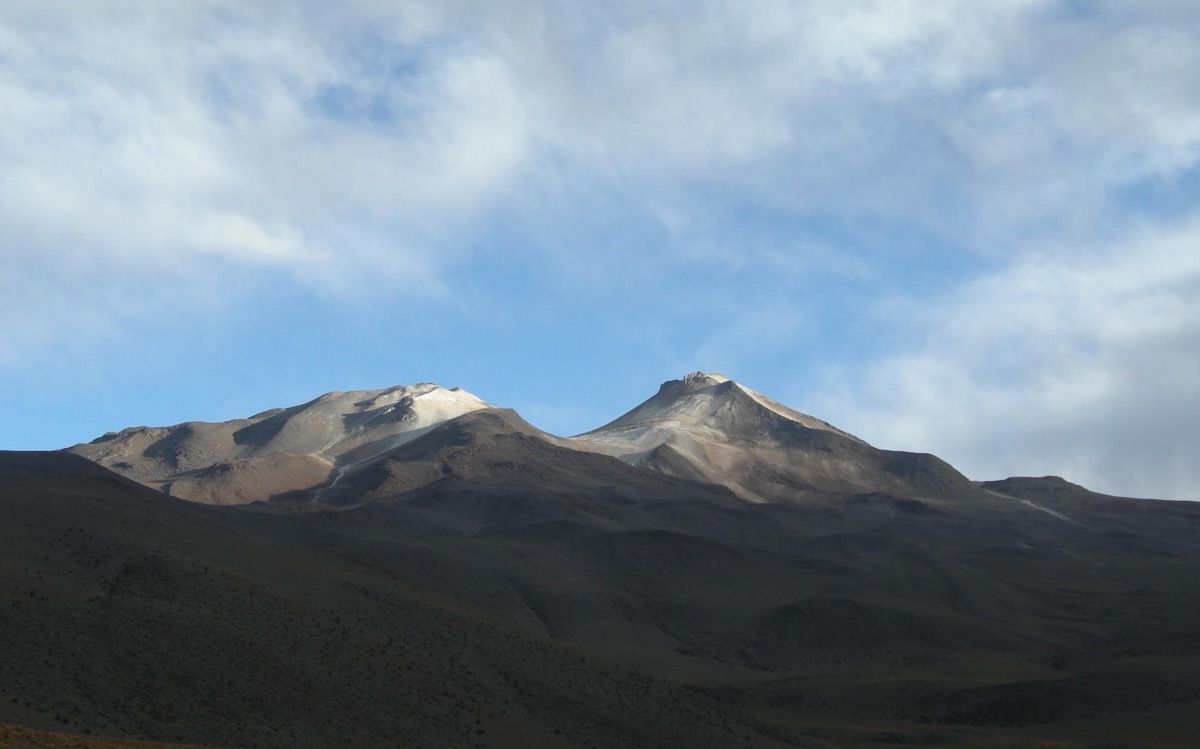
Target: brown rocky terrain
<point>710,428</point>
<point>281,450</point>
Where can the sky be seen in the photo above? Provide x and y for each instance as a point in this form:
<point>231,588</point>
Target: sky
<point>970,228</point>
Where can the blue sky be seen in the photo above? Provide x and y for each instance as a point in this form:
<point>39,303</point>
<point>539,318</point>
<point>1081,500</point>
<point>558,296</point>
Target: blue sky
<point>971,228</point>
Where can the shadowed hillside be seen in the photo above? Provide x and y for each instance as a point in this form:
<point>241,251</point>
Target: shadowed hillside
<point>606,618</point>
<point>19,737</point>
<point>127,613</point>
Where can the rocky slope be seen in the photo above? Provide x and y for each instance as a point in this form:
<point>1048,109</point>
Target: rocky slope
<point>703,429</point>
<point>707,427</point>
<point>277,451</point>
<point>128,613</point>
<point>532,595</point>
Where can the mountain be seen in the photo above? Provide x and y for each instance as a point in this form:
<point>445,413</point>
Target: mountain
<point>281,450</point>
<point>129,613</point>
<point>702,429</point>
<point>707,427</point>
<point>711,569</point>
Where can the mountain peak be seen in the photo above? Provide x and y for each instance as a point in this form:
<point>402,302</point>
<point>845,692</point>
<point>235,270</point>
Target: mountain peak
<point>707,427</point>
<point>282,449</point>
<point>425,392</point>
<point>706,401</point>
<point>701,379</point>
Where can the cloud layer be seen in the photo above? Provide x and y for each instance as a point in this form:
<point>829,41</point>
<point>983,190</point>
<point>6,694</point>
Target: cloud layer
<point>996,201</point>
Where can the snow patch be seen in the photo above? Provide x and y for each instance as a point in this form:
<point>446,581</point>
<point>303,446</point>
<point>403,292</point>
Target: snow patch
<point>704,378</point>
<point>1034,505</point>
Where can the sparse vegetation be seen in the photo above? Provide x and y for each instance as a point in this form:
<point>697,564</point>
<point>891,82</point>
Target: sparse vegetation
<point>671,621</point>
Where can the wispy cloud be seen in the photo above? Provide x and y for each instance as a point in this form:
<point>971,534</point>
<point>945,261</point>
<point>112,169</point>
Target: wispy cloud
<point>170,144</point>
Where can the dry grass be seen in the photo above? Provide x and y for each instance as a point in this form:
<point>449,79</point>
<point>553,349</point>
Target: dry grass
<point>18,737</point>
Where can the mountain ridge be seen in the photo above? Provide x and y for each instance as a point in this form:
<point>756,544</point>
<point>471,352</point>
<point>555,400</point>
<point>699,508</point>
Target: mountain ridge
<point>703,428</point>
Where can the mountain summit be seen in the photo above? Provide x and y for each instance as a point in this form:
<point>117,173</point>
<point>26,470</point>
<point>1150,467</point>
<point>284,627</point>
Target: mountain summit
<point>707,427</point>
<point>281,450</point>
<point>704,402</point>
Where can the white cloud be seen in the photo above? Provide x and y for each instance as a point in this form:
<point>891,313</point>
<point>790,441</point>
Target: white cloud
<point>145,130</point>
<point>169,144</point>
<point>1089,369</point>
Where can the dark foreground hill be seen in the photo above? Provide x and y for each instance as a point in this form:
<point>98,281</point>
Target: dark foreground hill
<point>20,737</point>
<point>128,613</point>
<point>491,588</point>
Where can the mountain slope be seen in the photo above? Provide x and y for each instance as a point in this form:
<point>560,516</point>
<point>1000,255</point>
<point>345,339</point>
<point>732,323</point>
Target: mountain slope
<point>17,737</point>
<point>490,469</point>
<point>277,451</point>
<point>128,613</point>
<point>537,596</point>
<point>709,428</point>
